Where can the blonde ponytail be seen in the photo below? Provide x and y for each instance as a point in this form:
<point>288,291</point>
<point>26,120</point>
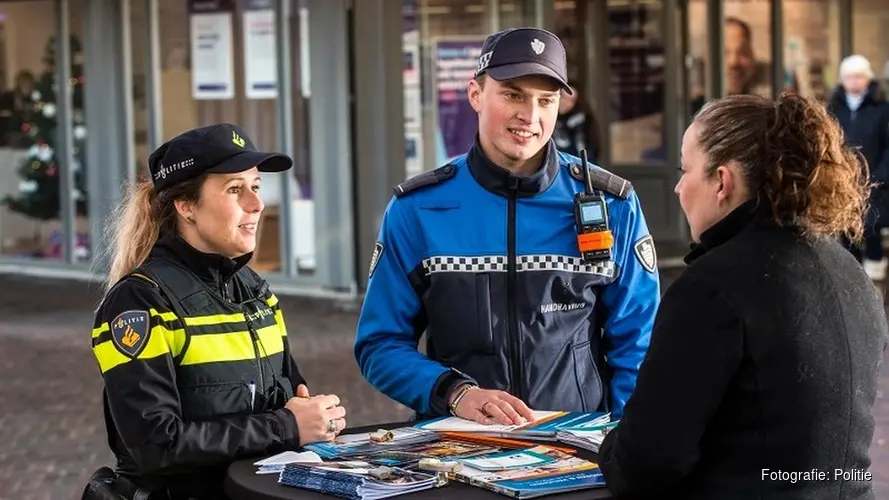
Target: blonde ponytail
<point>131,232</point>
<point>142,217</point>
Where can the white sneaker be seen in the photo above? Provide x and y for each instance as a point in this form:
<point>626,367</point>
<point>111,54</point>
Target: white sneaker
<point>876,269</point>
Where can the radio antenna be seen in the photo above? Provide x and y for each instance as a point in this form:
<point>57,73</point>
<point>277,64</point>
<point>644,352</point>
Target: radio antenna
<point>587,180</point>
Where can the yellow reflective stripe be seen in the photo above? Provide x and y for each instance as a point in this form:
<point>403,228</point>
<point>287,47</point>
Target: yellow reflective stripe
<point>272,340</point>
<point>272,301</point>
<point>237,346</point>
<point>100,330</point>
<point>214,319</point>
<point>279,318</point>
<point>166,316</point>
<point>109,357</point>
<point>175,338</point>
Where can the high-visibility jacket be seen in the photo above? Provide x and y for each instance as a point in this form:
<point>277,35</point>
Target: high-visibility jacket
<point>181,342</point>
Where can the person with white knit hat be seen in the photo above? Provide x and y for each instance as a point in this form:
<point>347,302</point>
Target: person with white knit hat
<point>863,112</point>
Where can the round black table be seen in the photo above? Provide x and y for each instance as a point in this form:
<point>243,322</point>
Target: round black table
<point>243,483</point>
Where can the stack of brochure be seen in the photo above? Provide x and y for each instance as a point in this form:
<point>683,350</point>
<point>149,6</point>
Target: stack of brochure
<point>351,445</point>
<point>275,464</point>
<point>545,426</point>
<point>356,480</point>
<point>531,472</point>
<point>589,437</point>
<point>410,457</point>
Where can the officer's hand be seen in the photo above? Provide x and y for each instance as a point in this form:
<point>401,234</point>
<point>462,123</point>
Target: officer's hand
<point>302,391</point>
<point>490,406</point>
<point>313,416</point>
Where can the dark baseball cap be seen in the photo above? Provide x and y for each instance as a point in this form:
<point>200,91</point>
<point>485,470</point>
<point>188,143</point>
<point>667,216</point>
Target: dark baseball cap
<point>518,52</point>
<point>222,148</point>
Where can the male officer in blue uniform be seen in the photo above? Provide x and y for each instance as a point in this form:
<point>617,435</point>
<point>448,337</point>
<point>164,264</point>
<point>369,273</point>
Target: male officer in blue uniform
<point>483,255</point>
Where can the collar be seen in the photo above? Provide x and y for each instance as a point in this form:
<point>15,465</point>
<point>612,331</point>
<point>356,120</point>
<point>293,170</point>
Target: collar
<point>727,228</point>
<point>498,180</point>
<point>213,269</point>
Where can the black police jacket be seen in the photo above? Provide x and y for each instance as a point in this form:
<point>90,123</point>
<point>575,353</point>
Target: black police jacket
<point>180,342</point>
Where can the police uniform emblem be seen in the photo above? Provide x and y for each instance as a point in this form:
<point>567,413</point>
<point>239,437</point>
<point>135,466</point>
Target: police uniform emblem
<point>645,253</point>
<point>129,332</point>
<point>375,259</point>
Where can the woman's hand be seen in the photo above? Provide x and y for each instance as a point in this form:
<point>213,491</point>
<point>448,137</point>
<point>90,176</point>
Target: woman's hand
<point>318,418</point>
<point>491,406</point>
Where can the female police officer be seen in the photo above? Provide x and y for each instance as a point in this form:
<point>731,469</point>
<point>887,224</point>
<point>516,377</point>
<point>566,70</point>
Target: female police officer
<point>765,354</point>
<point>190,342</point>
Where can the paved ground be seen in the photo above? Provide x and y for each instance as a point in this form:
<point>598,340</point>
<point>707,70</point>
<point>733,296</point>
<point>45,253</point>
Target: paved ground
<point>51,434</point>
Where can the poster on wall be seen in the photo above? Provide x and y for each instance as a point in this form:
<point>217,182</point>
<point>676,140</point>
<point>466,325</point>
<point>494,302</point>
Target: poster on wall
<point>455,62</point>
<point>212,66</point>
<point>260,65</point>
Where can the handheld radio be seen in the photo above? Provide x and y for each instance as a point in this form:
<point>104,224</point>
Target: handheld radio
<point>594,238</point>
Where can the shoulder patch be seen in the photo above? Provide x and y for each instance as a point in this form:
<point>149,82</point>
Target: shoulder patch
<point>604,180</point>
<point>426,179</point>
<point>646,253</point>
<point>375,259</point>
<point>129,332</point>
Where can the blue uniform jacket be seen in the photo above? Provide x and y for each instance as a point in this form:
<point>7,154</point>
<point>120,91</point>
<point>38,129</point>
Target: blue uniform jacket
<point>487,264</point>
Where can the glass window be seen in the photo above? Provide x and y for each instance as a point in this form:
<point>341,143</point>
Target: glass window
<point>811,46</point>
<point>450,35</point>
<point>747,59</point>
<point>570,23</point>
<point>870,36</point>
<point>748,48</point>
<point>31,215</point>
<point>196,90</point>
<point>517,13</point>
<point>636,50</point>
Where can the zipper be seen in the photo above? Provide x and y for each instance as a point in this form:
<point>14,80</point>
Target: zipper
<point>255,337</point>
<point>512,322</point>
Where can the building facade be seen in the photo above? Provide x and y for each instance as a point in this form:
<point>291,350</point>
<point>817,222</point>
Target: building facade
<point>362,94</point>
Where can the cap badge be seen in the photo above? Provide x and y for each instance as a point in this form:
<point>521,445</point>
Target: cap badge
<point>237,139</point>
<point>484,60</point>
<point>537,46</point>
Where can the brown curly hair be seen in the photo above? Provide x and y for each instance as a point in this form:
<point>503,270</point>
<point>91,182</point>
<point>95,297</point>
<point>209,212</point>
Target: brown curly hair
<point>792,155</point>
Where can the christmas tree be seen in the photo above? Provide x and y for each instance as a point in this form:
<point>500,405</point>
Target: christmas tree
<point>39,188</point>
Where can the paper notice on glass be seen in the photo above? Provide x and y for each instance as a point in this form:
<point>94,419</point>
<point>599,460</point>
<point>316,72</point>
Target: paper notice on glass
<point>212,67</point>
<point>260,65</point>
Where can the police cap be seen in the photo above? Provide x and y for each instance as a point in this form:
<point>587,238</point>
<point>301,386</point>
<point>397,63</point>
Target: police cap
<point>222,148</point>
<point>518,52</point>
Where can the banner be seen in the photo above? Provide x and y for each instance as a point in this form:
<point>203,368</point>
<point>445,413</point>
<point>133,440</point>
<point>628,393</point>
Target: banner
<point>212,65</point>
<point>260,65</point>
<point>455,62</point>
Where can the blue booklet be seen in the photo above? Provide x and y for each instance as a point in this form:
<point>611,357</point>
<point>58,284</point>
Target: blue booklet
<point>356,480</point>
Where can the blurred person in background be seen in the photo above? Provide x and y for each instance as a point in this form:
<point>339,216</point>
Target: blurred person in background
<point>766,352</point>
<point>190,342</point>
<point>576,127</point>
<point>861,108</point>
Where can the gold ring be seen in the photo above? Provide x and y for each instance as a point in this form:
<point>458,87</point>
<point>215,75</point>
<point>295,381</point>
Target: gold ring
<point>331,426</point>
